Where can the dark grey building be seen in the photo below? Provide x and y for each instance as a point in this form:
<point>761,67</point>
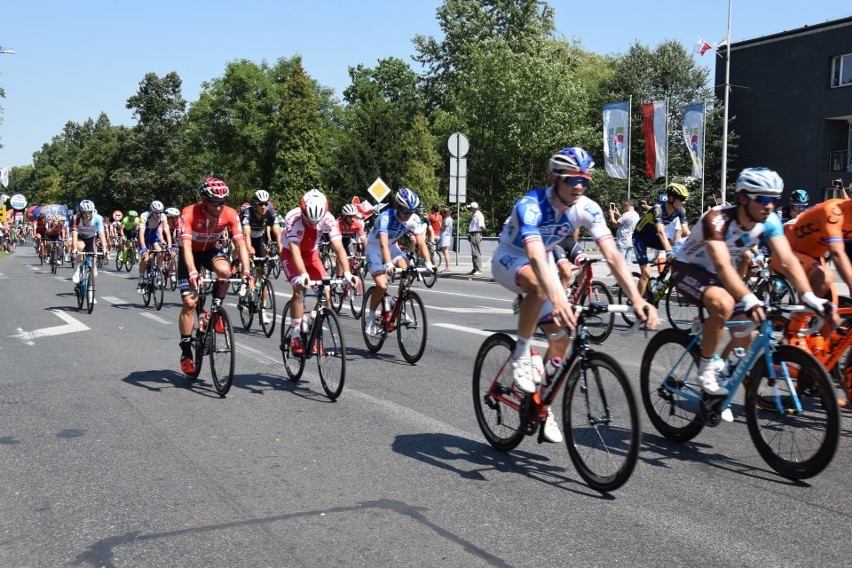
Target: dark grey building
<point>792,102</point>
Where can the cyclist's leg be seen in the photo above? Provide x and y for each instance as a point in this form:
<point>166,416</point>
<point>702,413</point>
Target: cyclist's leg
<point>640,248</point>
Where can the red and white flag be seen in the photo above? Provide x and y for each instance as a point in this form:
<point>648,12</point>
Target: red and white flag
<point>701,47</point>
<point>654,128</point>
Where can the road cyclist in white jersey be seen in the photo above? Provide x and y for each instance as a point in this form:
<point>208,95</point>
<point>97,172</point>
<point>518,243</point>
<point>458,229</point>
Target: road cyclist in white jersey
<point>84,228</point>
<point>704,267</point>
<point>384,257</point>
<point>153,233</point>
<point>522,263</point>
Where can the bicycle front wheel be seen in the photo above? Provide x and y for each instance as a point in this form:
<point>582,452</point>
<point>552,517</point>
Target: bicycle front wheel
<point>601,421</point>
<point>336,296</point>
<point>373,342</point>
<point>293,364</point>
<point>798,444</point>
<point>411,327</point>
<point>245,306</point>
<point>266,307</point>
<point>495,398</point>
<point>159,289</point>
<point>221,339</point>
<point>680,310</point>
<point>331,354</point>
<point>90,291</point>
<point>129,259</point>
<point>355,293</point>
<point>600,325</point>
<point>668,383</point>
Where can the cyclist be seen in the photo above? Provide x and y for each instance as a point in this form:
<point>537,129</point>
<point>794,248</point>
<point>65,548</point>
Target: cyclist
<point>650,231</point>
<point>522,263</point>
<point>704,266</point>
<point>798,203</point>
<point>84,228</point>
<point>54,233</point>
<point>258,220</point>
<point>203,225</point>
<point>382,258</point>
<point>303,227</point>
<point>174,226</point>
<point>350,226</point>
<point>152,234</point>
<point>129,230</point>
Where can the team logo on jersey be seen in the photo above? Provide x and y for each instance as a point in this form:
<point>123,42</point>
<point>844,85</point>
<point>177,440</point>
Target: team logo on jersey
<point>532,215</point>
<point>507,260</point>
<point>718,222</point>
<point>805,230</point>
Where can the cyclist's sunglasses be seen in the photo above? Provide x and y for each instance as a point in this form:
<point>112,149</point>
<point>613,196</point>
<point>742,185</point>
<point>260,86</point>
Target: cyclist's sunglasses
<point>574,180</point>
<point>262,204</point>
<point>766,199</point>
<point>408,211</point>
<point>215,203</point>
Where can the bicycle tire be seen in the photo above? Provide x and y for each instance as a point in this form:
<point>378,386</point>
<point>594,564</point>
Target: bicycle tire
<point>435,254</point>
<point>200,346</point>
<point>246,307</point>
<point>129,259</point>
<point>770,428</point>
<point>373,343</point>
<point>330,354</point>
<point>336,297</point>
<point>601,420</point>
<point>79,289</point>
<point>159,287</point>
<point>118,262</point>
<point>267,306</point>
<point>600,325</point>
<point>493,385</point>
<point>680,311</point>
<point>222,352</point>
<point>276,269</point>
<point>293,364</point>
<point>147,290</point>
<point>629,316</point>
<point>355,293</point>
<point>53,262</point>
<point>90,291</point>
<point>672,414</point>
<point>781,293</point>
<point>429,278</point>
<point>410,322</point>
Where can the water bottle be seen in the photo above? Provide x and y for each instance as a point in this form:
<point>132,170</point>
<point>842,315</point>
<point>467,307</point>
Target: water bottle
<point>388,304</point>
<point>537,365</point>
<point>306,322</point>
<point>732,361</point>
<point>551,368</point>
<point>203,318</point>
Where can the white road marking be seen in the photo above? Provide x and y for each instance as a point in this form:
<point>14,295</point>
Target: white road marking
<point>71,326</point>
<point>115,301</point>
<point>36,268</point>
<point>263,357</point>
<point>155,317</point>
<point>419,290</point>
<point>480,332</point>
<point>62,278</point>
<point>472,310</point>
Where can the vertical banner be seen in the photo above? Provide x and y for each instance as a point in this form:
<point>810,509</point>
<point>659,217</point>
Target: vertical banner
<point>693,136</point>
<point>4,176</point>
<point>616,139</point>
<point>654,128</point>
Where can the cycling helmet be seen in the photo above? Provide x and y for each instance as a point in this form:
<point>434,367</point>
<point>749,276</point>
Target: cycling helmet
<point>132,213</point>
<point>86,206</point>
<point>799,197</point>
<point>214,188</point>
<point>245,206</point>
<point>677,190</point>
<point>260,196</point>
<point>172,212</point>
<point>760,181</point>
<point>406,199</point>
<point>572,160</point>
<point>314,206</point>
<point>157,207</point>
<point>350,209</point>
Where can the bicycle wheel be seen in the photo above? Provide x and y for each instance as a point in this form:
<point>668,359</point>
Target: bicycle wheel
<point>129,259</point>
<point>329,260</point>
<point>246,307</point>
<point>78,290</point>
<point>600,325</point>
<point>147,289</point>
<point>276,269</point>
<point>798,445</point>
<point>429,278</point>
<point>781,293</point>
<point>668,383</point>
<point>294,364</point>
<point>601,422</point>
<point>373,343</point>
<point>330,352</point>
<point>435,254</point>
<point>495,399</point>
<point>158,289</point>
<point>90,291</point>
<point>118,261</point>
<point>221,351</point>
<point>336,296</point>
<point>680,310</point>
<point>266,307</point>
<point>411,328</point>
<point>53,261</point>
<point>355,293</point>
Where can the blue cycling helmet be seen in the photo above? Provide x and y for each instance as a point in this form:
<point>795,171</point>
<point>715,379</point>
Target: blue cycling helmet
<point>406,199</point>
<point>799,198</point>
<point>572,160</point>
<point>760,181</point>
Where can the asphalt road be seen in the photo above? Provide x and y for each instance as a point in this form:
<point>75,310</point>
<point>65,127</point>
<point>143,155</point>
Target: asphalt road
<point>109,456</point>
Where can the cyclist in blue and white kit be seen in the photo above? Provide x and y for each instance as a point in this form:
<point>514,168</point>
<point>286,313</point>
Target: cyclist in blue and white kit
<point>152,234</point>
<point>522,263</point>
<point>384,259</point>
<point>84,228</point>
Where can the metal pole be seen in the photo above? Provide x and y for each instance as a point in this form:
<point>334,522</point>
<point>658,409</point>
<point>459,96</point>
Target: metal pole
<point>703,151</point>
<point>725,119</point>
<point>629,138</point>
<point>666,106</point>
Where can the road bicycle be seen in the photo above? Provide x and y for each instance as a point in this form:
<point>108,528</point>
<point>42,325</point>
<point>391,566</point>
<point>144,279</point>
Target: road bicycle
<point>213,336</point>
<point>428,277</point>
<point>84,290</point>
<point>321,337</point>
<point>349,291</point>
<point>170,269</point>
<point>583,291</point>
<point>154,280</point>
<point>599,412</point>
<point>56,258</point>
<point>680,311</point>
<point>328,256</point>
<point>790,407</point>
<point>127,257</point>
<point>258,299</point>
<point>273,260</point>
<point>406,315</point>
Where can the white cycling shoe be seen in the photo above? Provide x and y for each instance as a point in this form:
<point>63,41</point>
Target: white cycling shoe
<point>552,433</point>
<point>709,382</point>
<point>522,373</point>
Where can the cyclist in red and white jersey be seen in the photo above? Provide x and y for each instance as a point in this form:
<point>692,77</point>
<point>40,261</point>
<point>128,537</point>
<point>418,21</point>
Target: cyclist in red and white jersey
<point>203,225</point>
<point>351,226</point>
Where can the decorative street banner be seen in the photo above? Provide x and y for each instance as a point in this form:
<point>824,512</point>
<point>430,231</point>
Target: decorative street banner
<point>4,176</point>
<point>654,128</point>
<point>616,139</point>
<point>693,136</point>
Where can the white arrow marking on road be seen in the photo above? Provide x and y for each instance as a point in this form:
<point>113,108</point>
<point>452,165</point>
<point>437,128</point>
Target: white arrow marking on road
<point>155,317</point>
<point>72,325</point>
<point>473,310</point>
<point>36,268</point>
<point>117,302</point>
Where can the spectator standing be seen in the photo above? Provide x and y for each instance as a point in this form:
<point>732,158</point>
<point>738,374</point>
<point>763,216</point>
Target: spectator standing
<point>624,223</point>
<point>446,237</point>
<point>436,220</point>
<point>474,233</point>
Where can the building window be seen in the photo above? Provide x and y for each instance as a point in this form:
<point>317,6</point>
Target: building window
<point>841,71</point>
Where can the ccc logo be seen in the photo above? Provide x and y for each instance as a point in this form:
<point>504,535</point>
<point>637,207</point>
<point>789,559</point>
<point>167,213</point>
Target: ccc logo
<point>805,230</point>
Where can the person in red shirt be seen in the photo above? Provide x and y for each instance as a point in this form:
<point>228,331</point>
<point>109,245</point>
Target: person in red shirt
<point>203,225</point>
<point>436,220</point>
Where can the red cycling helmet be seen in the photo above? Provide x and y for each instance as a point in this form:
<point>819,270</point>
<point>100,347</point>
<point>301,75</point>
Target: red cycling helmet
<point>214,188</point>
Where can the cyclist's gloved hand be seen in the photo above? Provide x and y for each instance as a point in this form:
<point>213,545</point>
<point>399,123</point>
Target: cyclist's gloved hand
<point>143,250</point>
<point>819,305</point>
<point>430,267</point>
<point>752,306</point>
<point>304,278</point>
<point>350,277</point>
<point>389,267</point>
<point>193,280</point>
<point>247,279</point>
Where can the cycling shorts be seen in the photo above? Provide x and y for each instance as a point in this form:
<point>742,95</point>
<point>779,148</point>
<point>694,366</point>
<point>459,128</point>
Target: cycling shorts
<point>311,260</point>
<point>259,245</point>
<point>641,246</point>
<point>375,264</point>
<point>507,266</point>
<point>204,259</point>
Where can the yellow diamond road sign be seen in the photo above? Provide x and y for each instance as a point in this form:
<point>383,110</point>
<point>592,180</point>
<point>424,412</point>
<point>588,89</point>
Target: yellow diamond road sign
<point>379,190</point>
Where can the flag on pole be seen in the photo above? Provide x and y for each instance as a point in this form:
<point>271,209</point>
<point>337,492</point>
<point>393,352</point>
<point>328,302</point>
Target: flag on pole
<point>693,136</point>
<point>4,176</point>
<point>701,47</point>
<point>616,142</point>
<point>654,128</point>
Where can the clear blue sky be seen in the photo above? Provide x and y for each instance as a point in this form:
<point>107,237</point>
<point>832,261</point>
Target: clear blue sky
<point>77,59</point>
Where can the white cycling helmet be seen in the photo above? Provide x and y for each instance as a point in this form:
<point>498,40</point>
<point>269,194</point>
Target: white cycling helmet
<point>760,181</point>
<point>172,212</point>
<point>260,196</point>
<point>87,206</point>
<point>572,160</point>
<point>350,209</point>
<point>314,205</point>
<point>157,207</point>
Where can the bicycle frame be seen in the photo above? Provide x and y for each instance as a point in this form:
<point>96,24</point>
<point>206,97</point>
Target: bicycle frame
<point>836,344</point>
<point>322,305</point>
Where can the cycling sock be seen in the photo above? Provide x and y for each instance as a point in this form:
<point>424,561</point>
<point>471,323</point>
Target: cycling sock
<point>295,332</point>
<point>522,348</point>
<point>186,345</point>
<point>704,363</point>
<point>371,316</point>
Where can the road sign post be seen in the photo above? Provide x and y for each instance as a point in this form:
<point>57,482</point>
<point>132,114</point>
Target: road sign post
<point>458,146</point>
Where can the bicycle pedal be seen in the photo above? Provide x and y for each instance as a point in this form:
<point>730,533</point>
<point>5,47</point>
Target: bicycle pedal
<point>710,410</point>
<point>529,418</point>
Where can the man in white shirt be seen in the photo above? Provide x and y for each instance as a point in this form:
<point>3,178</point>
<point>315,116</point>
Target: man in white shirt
<point>474,232</point>
<point>625,223</point>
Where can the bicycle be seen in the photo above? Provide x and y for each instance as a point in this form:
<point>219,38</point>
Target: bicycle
<point>791,412</point>
<point>406,315</point>
<point>327,256</point>
<point>259,299</point>
<point>599,412</point>
<point>84,290</point>
<point>170,269</point>
<point>321,337</point>
<point>127,257</point>
<point>273,260</point>
<point>213,335</point>
<point>56,257</point>
<point>428,277</point>
<point>780,291</point>
<point>349,291</point>
<point>583,291</point>
<point>679,310</point>
<point>154,281</point>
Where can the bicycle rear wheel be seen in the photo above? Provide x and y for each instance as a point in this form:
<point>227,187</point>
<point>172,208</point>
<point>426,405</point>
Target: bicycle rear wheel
<point>411,328</point>
<point>266,308</point>
<point>600,325</point>
<point>798,445</point>
<point>680,310</point>
<point>79,290</point>
<point>331,354</point>
<point>221,351</point>
<point>373,343</point>
<point>294,364</point>
<point>245,305</point>
<point>495,399</point>
<point>429,278</point>
<point>147,290</point>
<point>53,262</point>
<point>601,422</point>
<point>668,383</point>
<point>90,291</point>
<point>336,296</point>
<point>159,287</point>
<point>200,347</point>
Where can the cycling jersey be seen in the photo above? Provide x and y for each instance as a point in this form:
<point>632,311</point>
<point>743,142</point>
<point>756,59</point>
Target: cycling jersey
<point>296,231</point>
<point>646,228</point>
<point>202,233</point>
<point>152,223</point>
<point>130,226</point>
<point>87,230</point>
<point>811,232</point>
<point>353,229</point>
<point>388,223</point>
<point>257,227</point>
<point>720,224</point>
